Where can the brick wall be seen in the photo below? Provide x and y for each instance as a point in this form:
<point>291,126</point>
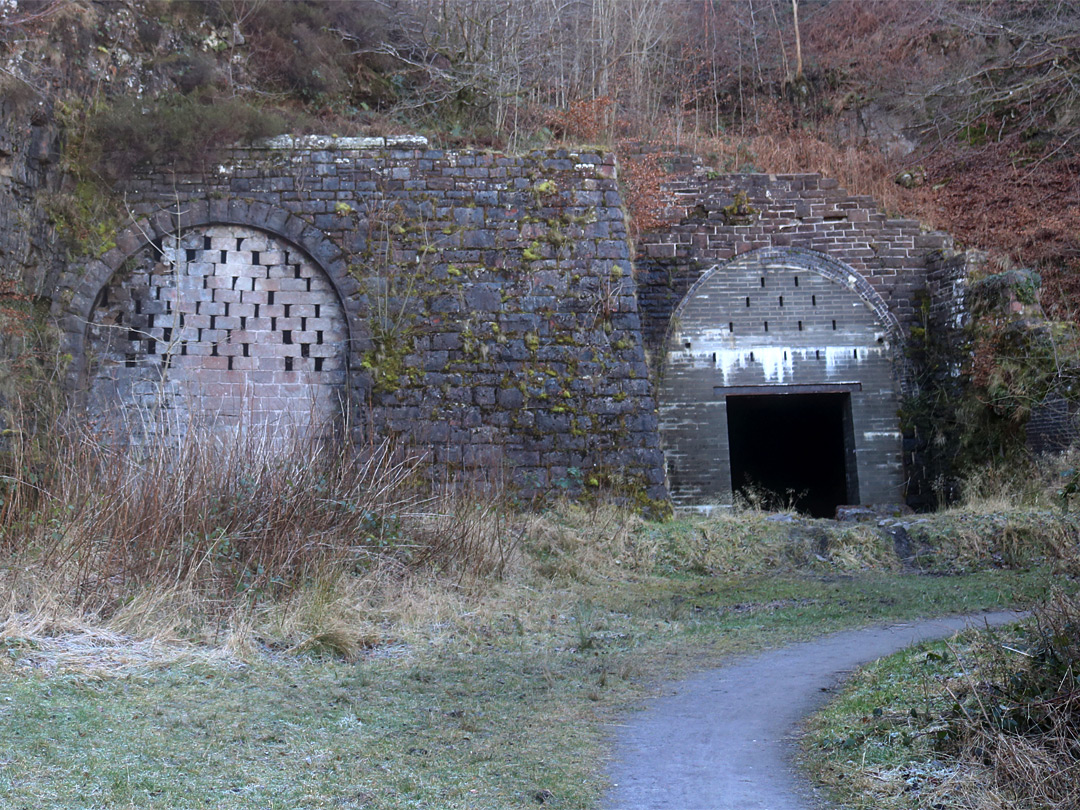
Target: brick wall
<point>222,327</point>
<point>717,218</point>
<point>489,302</point>
<point>779,321</point>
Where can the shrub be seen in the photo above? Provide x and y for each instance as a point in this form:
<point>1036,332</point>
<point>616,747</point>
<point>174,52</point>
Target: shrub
<point>175,130</point>
<point>1016,715</point>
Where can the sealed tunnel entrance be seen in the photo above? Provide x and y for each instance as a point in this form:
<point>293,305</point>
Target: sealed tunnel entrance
<point>798,447</point>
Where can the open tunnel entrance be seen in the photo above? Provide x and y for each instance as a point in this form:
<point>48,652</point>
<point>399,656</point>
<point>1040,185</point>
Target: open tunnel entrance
<point>798,447</point>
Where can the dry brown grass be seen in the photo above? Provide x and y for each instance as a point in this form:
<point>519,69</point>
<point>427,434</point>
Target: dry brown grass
<point>1016,726</point>
<point>242,544</point>
<point>779,144</point>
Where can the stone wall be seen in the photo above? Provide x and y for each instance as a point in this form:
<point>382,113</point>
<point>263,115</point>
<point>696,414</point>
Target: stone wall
<point>28,252</point>
<point>489,301</point>
<point>30,261</point>
<point>483,308</point>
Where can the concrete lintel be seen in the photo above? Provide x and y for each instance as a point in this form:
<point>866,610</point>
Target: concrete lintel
<point>822,388</point>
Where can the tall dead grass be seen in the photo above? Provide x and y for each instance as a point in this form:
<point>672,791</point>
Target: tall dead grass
<point>160,540</point>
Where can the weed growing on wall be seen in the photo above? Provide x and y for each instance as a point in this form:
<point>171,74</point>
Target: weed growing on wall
<point>976,390</point>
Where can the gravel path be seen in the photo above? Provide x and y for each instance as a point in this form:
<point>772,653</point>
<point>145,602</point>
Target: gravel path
<point>724,739</point>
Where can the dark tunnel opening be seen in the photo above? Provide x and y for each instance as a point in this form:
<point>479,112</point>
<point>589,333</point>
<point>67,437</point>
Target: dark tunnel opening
<point>798,447</point>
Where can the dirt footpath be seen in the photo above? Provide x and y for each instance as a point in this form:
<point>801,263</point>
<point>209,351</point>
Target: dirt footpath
<point>723,740</point>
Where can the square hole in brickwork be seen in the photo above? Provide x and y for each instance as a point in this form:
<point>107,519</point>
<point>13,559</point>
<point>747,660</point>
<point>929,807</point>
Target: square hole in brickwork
<point>794,446</point>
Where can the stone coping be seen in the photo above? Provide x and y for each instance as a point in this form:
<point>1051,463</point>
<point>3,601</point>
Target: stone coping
<point>340,142</point>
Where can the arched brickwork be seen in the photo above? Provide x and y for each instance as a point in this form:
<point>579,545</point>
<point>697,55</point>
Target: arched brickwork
<point>776,322</point>
<point>223,324</point>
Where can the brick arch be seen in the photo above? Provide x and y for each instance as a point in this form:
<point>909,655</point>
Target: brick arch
<point>810,261</point>
<point>79,289</point>
<point>251,375</point>
<point>780,328</point>
<point>827,267</point>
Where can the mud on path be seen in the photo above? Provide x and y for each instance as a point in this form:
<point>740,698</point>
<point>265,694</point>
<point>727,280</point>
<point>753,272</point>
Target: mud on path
<point>724,739</point>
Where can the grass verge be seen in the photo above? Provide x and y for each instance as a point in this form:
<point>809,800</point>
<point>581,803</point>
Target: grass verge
<point>215,624</point>
<point>454,691</point>
<point>989,719</point>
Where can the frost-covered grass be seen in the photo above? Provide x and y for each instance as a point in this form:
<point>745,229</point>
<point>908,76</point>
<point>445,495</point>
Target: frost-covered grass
<point>486,692</point>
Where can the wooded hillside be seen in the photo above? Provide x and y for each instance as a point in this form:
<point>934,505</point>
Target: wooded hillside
<point>973,107</point>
